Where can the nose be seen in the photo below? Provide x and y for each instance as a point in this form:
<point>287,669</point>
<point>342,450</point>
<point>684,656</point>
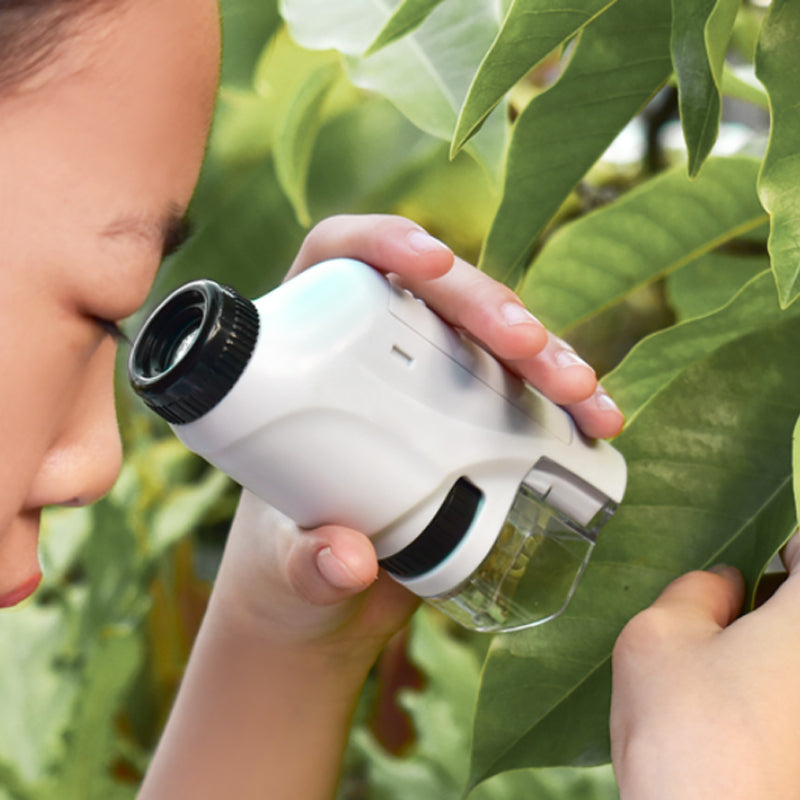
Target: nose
<point>83,462</point>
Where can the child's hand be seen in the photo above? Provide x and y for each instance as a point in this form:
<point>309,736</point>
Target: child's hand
<point>297,618</point>
<point>704,706</point>
<point>310,586</point>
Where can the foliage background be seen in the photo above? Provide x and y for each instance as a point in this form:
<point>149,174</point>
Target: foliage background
<point>489,122</point>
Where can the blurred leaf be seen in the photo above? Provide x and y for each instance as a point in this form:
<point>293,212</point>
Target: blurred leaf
<point>437,767</point>
<point>246,26</point>
<point>11,788</point>
<point>297,136</point>
<point>436,61</point>
<point>368,158</point>
<point>453,200</point>
<point>736,86</point>
<point>36,695</point>
<point>410,14</point>
<point>650,232</point>
<point>348,26</point>
<point>621,60</point>
<point>249,242</point>
<point>183,509</point>
<point>59,552</point>
<point>711,281</point>
<point>530,32</point>
<point>86,774</point>
<point>709,459</point>
<point>777,64</point>
<point>700,35</point>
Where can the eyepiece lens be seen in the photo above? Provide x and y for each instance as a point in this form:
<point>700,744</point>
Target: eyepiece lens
<point>172,335</point>
<point>192,350</point>
<point>175,343</point>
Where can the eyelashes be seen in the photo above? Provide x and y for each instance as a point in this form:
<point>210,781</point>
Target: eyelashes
<point>178,231</point>
<point>112,329</point>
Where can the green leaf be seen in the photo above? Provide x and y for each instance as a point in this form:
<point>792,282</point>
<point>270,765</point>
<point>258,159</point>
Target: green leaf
<point>656,360</point>
<point>594,783</point>
<point>368,159</point>
<point>183,508</point>
<point>777,65</point>
<point>711,281</point>
<point>437,765</point>
<point>297,136</point>
<point>348,26</point>
<point>436,61</point>
<point>700,35</point>
<point>737,83</point>
<point>246,26</point>
<point>709,459</point>
<point>531,30</point>
<point>654,230</point>
<point>408,16</point>
<point>249,239</point>
<point>621,60</point>
<point>36,693</point>
<point>86,773</point>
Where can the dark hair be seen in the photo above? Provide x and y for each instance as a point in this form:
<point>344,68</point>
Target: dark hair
<point>31,32</point>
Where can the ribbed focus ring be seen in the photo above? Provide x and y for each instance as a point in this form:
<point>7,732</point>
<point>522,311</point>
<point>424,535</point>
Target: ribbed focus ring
<point>442,535</point>
<point>192,350</point>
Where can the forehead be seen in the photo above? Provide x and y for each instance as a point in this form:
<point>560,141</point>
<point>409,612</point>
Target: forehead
<point>113,130</point>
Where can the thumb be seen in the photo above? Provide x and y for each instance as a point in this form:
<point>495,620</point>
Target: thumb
<point>330,564</point>
<point>704,602</point>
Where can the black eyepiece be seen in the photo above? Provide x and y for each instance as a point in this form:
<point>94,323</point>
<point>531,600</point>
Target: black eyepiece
<point>192,349</point>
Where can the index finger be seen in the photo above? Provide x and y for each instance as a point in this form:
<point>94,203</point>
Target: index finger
<point>386,242</point>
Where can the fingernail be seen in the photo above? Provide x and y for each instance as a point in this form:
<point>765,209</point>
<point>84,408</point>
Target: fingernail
<point>569,358</point>
<point>516,314</point>
<point>725,571</point>
<point>422,242</point>
<point>335,571</point>
<point>604,402</point>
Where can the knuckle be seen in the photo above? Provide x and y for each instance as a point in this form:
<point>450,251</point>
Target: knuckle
<point>645,636</point>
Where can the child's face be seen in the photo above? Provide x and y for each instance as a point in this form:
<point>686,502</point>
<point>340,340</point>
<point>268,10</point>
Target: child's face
<point>97,158</point>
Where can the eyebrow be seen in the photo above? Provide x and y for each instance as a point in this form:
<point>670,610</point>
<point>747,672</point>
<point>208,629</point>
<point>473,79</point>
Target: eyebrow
<point>165,232</point>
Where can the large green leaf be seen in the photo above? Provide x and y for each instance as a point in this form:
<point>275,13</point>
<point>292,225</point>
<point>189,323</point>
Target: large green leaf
<point>621,60</point>
<point>410,14</point>
<point>777,65</point>
<point>531,30</point>
<point>700,35</point>
<point>711,282</point>
<point>710,480</point>
<point>655,361</point>
<point>426,74</point>
<point>650,232</point>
